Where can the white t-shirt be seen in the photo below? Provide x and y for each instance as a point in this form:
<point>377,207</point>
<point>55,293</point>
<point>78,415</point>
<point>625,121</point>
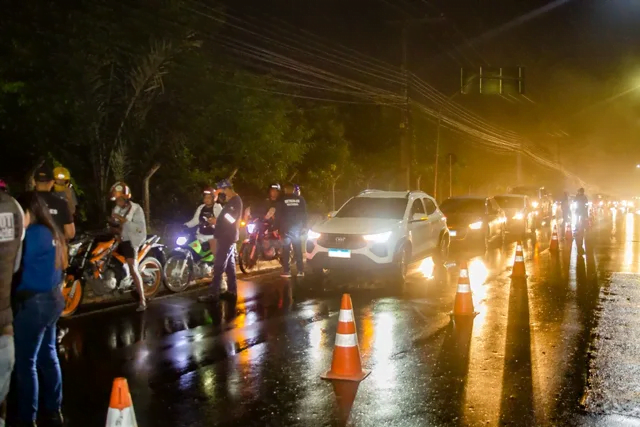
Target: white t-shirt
<point>135,229</point>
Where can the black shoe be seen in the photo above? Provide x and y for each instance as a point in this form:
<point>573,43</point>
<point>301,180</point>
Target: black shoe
<point>230,296</point>
<point>208,298</point>
<point>22,424</point>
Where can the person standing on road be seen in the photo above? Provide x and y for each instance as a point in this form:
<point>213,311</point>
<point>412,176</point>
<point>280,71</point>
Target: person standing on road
<point>63,188</point>
<point>58,207</point>
<point>128,218</point>
<point>582,211</point>
<point>291,220</point>
<point>11,236</point>
<point>226,234</point>
<point>38,304</point>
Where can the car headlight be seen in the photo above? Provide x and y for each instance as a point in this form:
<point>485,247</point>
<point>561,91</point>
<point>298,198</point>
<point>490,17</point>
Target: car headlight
<point>312,235</point>
<point>476,225</point>
<point>251,228</point>
<point>535,204</point>
<point>378,238</point>
<point>181,240</point>
<point>518,216</point>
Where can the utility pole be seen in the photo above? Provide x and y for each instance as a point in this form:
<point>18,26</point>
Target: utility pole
<point>519,166</point>
<point>407,146</point>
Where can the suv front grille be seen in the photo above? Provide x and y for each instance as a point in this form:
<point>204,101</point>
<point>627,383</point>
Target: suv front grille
<point>342,241</point>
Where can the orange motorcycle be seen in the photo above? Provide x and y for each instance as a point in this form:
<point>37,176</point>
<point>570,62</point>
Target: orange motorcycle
<point>94,261</point>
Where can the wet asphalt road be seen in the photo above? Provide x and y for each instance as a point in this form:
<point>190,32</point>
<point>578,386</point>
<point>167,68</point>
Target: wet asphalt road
<point>523,360</point>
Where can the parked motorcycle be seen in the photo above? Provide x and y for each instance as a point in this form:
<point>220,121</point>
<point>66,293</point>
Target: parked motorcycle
<point>94,261</point>
<point>261,244</point>
<point>190,260</point>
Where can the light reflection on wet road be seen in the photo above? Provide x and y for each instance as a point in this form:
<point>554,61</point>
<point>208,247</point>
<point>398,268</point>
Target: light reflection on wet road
<point>521,362</point>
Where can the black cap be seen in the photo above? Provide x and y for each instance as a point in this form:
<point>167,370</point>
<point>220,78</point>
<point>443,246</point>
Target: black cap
<point>43,174</point>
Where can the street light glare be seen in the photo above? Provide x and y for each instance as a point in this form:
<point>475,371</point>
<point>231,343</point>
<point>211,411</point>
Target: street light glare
<point>638,166</point>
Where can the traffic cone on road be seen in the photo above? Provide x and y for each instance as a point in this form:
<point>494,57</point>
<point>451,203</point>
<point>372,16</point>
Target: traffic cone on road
<point>553,245</point>
<point>463,304</point>
<point>568,236</point>
<point>346,364</point>
<point>121,411</point>
<point>519,271</point>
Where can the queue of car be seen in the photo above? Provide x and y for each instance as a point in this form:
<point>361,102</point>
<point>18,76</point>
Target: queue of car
<point>382,232</point>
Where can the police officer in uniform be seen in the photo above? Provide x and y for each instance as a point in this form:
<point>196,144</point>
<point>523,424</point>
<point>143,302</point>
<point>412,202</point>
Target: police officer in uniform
<point>291,221</point>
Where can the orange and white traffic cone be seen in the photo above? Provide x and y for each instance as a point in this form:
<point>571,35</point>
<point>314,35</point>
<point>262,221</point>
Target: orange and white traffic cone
<point>121,411</point>
<point>463,304</point>
<point>519,271</point>
<point>346,364</point>
<point>553,245</point>
<point>568,236</point>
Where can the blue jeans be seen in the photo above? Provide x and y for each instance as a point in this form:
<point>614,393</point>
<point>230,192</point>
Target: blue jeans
<point>292,238</point>
<point>225,262</point>
<point>35,341</point>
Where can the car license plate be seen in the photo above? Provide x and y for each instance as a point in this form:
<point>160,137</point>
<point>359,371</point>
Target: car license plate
<point>339,253</point>
<point>453,233</point>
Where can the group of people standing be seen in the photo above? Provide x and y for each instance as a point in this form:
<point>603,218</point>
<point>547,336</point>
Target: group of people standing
<point>34,230</point>
<point>218,220</point>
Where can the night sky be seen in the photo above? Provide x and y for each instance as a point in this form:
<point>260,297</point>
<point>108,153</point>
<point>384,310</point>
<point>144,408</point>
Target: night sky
<point>581,60</point>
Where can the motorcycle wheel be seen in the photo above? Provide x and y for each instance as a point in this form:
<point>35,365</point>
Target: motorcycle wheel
<point>152,274</point>
<point>73,293</point>
<point>247,265</point>
<point>177,284</point>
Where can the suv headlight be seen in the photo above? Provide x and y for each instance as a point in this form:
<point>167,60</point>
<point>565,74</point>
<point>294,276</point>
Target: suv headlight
<point>476,225</point>
<point>312,235</point>
<point>377,238</point>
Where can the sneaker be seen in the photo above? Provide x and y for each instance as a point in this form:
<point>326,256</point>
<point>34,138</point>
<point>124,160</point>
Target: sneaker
<point>287,275</point>
<point>141,307</point>
<point>300,275</point>
<point>54,419</point>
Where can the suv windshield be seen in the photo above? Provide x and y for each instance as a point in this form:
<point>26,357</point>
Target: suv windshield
<point>371,207</point>
<point>450,206</point>
<point>510,202</point>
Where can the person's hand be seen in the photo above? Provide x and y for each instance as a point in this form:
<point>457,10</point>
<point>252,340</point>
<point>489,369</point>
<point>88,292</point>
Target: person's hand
<point>276,234</point>
<point>211,221</point>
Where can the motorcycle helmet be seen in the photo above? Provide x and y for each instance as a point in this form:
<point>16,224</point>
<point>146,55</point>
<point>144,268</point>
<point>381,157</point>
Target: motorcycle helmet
<point>3,186</point>
<point>208,191</point>
<point>296,189</point>
<point>62,178</point>
<point>120,189</point>
<point>275,186</point>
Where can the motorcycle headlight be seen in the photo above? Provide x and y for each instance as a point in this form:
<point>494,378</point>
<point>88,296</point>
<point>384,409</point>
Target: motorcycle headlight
<point>251,228</point>
<point>312,235</point>
<point>180,241</point>
<point>74,248</point>
<point>476,225</point>
<point>378,238</point>
<point>518,216</point>
<point>535,204</point>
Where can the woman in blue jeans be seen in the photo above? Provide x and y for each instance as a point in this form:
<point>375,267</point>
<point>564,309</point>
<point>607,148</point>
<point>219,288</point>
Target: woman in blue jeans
<point>38,304</point>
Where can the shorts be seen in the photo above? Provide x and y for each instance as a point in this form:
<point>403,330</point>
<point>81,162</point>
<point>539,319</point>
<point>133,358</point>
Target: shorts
<point>127,250</point>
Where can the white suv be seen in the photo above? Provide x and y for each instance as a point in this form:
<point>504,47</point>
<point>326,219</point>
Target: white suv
<point>379,230</point>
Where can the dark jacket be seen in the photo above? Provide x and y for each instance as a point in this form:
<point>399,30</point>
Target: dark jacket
<point>291,213</point>
<point>11,234</point>
<point>228,223</point>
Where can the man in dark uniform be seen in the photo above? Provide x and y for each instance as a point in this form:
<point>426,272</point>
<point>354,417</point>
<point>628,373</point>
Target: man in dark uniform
<point>58,207</point>
<point>226,234</point>
<point>291,220</point>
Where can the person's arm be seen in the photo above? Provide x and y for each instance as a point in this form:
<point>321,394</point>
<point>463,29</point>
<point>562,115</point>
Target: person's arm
<point>69,226</point>
<point>196,218</point>
<point>136,217</point>
<point>232,215</point>
<point>217,208</point>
